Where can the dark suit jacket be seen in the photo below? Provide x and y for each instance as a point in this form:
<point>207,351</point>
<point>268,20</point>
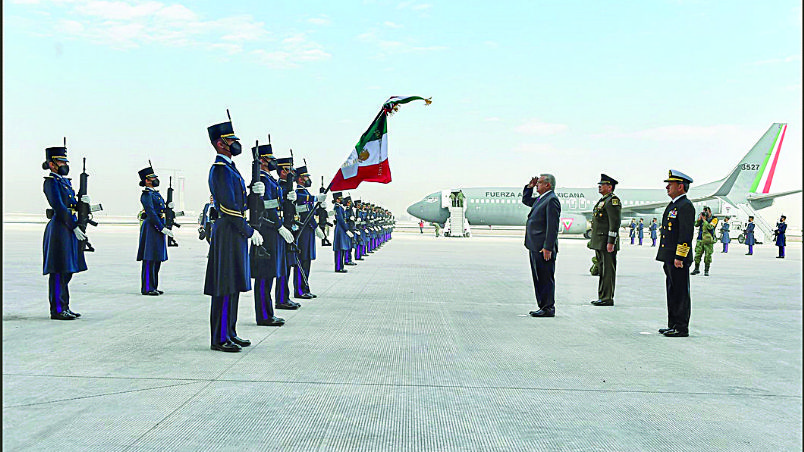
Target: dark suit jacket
<point>541,230</point>
<point>678,227</point>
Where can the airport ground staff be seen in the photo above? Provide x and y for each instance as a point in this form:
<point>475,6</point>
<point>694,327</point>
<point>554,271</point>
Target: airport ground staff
<point>606,217</point>
<point>152,250</point>
<point>632,231</point>
<point>290,219</point>
<point>781,236</point>
<point>228,271</point>
<point>749,236</point>
<point>724,235</point>
<point>678,227</point>
<point>63,242</point>
<point>640,231</point>
<point>268,264</point>
<point>305,204</point>
<point>342,237</point>
<point>705,244</point>
<point>653,228</point>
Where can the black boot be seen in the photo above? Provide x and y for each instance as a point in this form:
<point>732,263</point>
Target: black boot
<point>697,269</point>
<point>706,271</point>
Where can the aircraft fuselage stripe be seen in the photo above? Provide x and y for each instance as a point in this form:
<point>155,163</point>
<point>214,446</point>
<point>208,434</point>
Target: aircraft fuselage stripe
<point>766,189</point>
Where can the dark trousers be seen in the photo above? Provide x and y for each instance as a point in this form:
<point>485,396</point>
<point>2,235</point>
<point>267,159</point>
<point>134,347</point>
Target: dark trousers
<point>283,287</point>
<point>339,260</point>
<point>58,293</point>
<point>347,256</point>
<point>725,247</point>
<point>607,263</point>
<point>150,275</point>
<point>653,242</point>
<point>299,285</point>
<point>263,305</point>
<point>781,251</point>
<point>678,296</point>
<point>223,317</point>
<point>544,282</point>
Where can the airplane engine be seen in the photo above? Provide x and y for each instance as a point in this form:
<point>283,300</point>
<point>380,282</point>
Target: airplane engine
<point>572,224</point>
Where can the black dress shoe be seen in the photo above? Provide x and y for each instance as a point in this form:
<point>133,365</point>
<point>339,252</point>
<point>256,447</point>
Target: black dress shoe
<point>350,263</point>
<point>343,270</point>
<point>74,313</point>
<point>152,293</point>
<point>63,315</point>
<point>603,303</point>
<point>542,313</point>
<point>227,346</point>
<point>664,330</point>
<point>160,292</point>
<point>286,306</point>
<point>675,333</point>
<point>273,321</point>
<point>595,301</point>
<point>241,342</point>
<point>305,296</point>
<point>359,259</point>
<point>312,295</point>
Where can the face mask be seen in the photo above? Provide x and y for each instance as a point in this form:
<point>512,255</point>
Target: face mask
<point>235,148</point>
<point>308,183</point>
<point>272,165</point>
<point>155,183</point>
<point>64,170</point>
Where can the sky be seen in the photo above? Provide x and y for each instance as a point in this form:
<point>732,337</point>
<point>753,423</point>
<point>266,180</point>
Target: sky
<point>572,88</point>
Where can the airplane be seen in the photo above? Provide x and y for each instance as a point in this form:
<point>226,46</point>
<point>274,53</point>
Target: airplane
<point>746,187</point>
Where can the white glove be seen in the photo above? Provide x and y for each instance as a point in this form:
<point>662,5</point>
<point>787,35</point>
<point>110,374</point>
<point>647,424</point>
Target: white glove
<point>256,238</point>
<point>86,199</point>
<point>349,233</point>
<point>358,233</point>
<point>287,235</point>
<point>258,188</point>
<point>79,234</point>
<point>292,196</point>
<point>351,218</point>
<point>358,221</point>
<point>319,233</point>
<point>170,205</point>
<point>167,232</point>
<point>324,204</point>
<point>320,197</point>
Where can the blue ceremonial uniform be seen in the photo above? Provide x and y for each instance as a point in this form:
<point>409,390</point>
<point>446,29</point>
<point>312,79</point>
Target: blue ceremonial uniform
<point>749,238</point>
<point>653,235</point>
<point>632,231</point>
<point>781,237</point>
<point>62,253</point>
<point>305,240</point>
<point>341,241</point>
<point>640,232</point>
<point>152,249</point>
<point>264,268</point>
<point>725,238</point>
<point>228,271</point>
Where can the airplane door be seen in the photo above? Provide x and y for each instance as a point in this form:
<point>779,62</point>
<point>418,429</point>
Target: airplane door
<point>573,203</point>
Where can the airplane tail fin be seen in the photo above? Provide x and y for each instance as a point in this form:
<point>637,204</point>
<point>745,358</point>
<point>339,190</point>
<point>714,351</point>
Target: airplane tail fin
<point>754,173</point>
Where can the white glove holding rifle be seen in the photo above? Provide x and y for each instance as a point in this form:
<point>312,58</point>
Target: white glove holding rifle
<point>287,235</point>
<point>256,238</point>
<point>319,233</point>
<point>167,232</point>
<point>79,234</point>
<point>292,196</point>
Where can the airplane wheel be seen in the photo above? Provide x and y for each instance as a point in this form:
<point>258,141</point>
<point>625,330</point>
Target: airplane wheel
<point>587,234</point>
<point>741,238</point>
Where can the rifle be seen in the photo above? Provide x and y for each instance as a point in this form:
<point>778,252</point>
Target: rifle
<point>256,205</point>
<point>85,210</point>
<point>170,214</point>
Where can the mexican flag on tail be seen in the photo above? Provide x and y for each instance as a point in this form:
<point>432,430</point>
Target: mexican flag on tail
<point>368,161</point>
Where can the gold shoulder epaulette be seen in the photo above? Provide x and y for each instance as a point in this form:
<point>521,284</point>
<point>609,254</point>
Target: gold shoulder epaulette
<point>682,250</point>
<point>615,201</point>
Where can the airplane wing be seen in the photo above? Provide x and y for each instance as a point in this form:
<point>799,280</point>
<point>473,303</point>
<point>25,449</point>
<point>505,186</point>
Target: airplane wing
<point>764,196</point>
<point>648,208</point>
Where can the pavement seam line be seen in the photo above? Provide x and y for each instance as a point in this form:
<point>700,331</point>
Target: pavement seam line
<point>100,395</point>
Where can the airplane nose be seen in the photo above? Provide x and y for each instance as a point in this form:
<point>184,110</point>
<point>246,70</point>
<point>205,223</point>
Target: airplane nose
<point>415,209</point>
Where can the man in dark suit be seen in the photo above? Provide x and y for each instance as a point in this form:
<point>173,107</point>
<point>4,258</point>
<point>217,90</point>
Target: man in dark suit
<point>678,225</point>
<point>541,240</point>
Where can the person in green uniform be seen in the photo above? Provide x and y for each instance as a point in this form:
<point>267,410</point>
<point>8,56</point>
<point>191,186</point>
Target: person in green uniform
<point>605,239</point>
<point>705,245</point>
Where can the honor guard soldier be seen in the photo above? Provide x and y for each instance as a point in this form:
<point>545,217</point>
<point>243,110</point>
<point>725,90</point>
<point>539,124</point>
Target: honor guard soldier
<point>63,241</point>
<point>360,231</point>
<point>349,215</point>
<point>725,238</point>
<point>152,250</point>
<point>705,244</point>
<point>632,230</point>
<point>342,237</point>
<point>640,231</point>
<point>268,263</point>
<point>290,221</point>
<point>781,235</point>
<point>228,271</point>
<point>605,239</point>
<point>749,236</point>
<point>678,226</point>
<point>307,233</point>
<point>653,228</point>
<point>322,214</point>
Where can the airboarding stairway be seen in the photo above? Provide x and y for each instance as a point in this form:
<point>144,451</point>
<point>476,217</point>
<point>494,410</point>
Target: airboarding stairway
<point>762,225</point>
<point>457,222</point>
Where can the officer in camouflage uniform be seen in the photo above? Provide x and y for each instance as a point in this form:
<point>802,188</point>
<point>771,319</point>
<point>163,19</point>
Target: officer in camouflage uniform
<point>605,240</point>
<point>705,244</point>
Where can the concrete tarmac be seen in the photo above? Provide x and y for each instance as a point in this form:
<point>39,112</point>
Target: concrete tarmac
<point>424,346</point>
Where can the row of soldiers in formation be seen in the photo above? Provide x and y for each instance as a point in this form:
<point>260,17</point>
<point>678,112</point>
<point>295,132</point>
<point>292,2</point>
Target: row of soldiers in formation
<point>266,247</point>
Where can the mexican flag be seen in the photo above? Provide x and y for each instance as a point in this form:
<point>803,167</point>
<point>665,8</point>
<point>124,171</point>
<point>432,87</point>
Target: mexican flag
<point>368,161</point>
